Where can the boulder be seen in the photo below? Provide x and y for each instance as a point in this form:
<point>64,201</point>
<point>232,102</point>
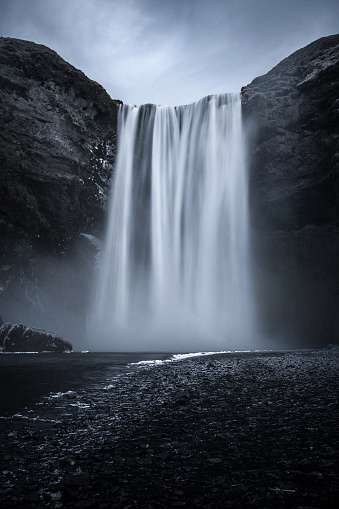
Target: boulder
<point>20,338</point>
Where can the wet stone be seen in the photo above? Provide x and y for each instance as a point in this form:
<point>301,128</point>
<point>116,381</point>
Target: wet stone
<point>141,452</point>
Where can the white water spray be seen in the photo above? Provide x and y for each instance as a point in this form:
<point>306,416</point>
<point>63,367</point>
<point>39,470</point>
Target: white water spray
<point>174,273</point>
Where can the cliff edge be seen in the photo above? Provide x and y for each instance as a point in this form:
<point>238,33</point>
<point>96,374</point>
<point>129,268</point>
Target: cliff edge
<point>292,119</point>
<point>57,151</point>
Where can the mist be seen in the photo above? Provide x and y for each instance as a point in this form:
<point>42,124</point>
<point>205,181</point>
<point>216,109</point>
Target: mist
<point>53,292</point>
<point>174,273</point>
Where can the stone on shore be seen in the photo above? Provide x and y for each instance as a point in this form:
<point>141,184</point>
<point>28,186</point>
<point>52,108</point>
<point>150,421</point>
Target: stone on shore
<point>21,338</point>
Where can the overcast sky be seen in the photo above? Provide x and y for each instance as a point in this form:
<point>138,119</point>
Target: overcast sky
<point>170,51</point>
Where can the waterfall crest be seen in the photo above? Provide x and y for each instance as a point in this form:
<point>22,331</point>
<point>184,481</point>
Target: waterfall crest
<point>174,271</point>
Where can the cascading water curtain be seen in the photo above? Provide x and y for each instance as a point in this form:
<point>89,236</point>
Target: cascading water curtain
<point>174,273</point>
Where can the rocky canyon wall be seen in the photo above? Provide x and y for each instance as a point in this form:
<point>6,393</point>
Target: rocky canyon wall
<point>57,152</point>
<point>292,119</point>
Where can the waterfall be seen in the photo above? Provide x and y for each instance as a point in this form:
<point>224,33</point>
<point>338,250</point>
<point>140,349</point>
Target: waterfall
<point>174,272</point>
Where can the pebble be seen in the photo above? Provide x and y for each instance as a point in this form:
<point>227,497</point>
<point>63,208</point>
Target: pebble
<point>130,446</point>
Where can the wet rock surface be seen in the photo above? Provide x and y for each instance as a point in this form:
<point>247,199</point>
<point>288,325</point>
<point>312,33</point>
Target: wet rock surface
<point>58,134</point>
<point>57,151</point>
<point>291,119</point>
<point>20,338</point>
<point>293,112</point>
<point>243,430</point>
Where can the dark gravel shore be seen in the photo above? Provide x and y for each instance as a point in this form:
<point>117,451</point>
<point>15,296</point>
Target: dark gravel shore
<point>247,430</point>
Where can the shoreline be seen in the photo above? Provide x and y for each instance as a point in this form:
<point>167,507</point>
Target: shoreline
<point>25,378</point>
<point>256,430</point>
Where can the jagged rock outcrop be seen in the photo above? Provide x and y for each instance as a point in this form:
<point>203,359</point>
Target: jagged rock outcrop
<point>57,146</point>
<point>57,151</point>
<point>20,338</point>
<point>292,120</point>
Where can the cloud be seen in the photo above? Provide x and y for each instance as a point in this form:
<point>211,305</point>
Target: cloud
<point>174,51</point>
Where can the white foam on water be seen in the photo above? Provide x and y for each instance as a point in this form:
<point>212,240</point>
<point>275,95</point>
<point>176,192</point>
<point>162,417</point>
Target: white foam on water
<point>181,357</point>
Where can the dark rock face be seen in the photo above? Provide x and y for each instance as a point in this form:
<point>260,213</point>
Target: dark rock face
<point>291,115</point>
<point>20,338</point>
<point>57,150</point>
<point>57,146</point>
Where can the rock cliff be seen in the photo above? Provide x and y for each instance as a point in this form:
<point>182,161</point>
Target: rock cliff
<point>292,120</point>
<point>57,150</point>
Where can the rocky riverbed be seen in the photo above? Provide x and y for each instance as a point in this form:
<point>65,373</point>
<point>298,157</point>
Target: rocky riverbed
<point>228,430</point>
